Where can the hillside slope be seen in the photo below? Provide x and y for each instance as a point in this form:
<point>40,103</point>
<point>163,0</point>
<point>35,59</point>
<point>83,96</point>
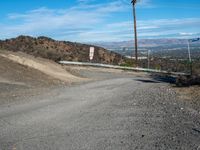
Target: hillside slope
<point>46,67</point>
<point>23,76</point>
<point>59,50</point>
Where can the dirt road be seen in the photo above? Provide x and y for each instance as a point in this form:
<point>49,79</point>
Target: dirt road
<point>117,111</point>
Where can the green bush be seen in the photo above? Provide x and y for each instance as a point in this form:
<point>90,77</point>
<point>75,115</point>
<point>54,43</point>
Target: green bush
<point>128,63</point>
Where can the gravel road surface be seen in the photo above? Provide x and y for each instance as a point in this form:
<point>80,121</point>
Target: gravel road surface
<point>119,112</point>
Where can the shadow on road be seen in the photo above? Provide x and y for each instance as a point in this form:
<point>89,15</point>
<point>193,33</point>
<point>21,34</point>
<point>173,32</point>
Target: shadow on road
<point>159,78</point>
<point>164,78</point>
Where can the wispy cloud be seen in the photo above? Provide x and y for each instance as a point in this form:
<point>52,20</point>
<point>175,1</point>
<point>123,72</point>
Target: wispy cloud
<point>186,33</point>
<point>46,21</point>
<point>169,28</point>
<point>90,21</point>
<point>146,3</point>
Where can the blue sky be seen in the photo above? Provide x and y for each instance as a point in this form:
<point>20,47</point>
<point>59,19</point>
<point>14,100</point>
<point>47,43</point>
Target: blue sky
<point>99,20</point>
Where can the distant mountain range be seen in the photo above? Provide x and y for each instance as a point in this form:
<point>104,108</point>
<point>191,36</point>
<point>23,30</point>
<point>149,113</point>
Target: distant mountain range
<point>144,43</point>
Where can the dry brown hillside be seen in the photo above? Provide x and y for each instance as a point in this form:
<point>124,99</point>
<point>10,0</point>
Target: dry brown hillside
<point>59,50</point>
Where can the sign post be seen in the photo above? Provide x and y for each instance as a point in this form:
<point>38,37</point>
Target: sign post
<point>189,52</point>
<point>91,54</point>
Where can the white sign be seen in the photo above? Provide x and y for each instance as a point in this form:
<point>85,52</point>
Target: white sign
<point>91,55</point>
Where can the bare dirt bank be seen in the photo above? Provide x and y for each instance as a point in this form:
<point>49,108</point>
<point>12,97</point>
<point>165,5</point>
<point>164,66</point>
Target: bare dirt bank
<point>47,67</point>
<point>23,76</point>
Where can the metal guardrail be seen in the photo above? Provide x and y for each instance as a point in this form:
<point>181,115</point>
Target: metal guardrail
<point>120,67</point>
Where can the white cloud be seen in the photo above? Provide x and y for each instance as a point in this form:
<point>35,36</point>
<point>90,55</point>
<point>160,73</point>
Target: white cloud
<point>186,34</point>
<point>44,21</point>
<point>146,3</point>
<point>90,22</point>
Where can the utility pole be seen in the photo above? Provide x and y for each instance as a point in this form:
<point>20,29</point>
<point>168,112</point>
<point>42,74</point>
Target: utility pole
<point>148,57</point>
<point>189,55</point>
<point>135,30</point>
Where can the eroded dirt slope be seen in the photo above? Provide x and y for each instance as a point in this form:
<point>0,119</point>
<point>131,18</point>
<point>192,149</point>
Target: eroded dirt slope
<point>22,75</point>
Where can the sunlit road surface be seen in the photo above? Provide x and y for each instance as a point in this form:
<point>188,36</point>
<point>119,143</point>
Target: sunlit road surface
<point>115,113</point>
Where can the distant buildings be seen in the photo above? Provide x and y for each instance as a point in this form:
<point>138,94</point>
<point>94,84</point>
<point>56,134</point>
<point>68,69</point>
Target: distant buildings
<point>139,58</point>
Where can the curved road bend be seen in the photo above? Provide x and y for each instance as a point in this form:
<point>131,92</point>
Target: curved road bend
<point>119,113</point>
